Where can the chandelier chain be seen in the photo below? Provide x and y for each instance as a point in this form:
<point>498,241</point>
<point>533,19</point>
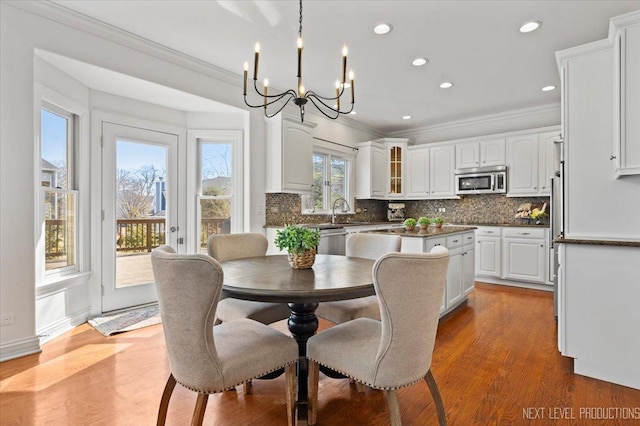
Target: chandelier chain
<point>300,28</point>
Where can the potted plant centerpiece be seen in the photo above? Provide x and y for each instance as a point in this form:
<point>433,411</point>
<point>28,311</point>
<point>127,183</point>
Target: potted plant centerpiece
<point>301,244</point>
<point>437,222</point>
<point>409,224</point>
<point>424,222</point>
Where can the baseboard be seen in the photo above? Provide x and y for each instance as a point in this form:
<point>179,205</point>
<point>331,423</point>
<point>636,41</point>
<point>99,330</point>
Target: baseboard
<point>607,373</point>
<point>521,284</point>
<point>20,348</point>
<point>66,324</point>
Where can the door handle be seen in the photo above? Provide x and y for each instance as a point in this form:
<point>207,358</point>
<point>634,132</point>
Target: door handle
<point>173,229</point>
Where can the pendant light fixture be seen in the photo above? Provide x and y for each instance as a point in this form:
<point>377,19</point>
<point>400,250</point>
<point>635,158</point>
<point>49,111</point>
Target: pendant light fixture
<point>329,106</point>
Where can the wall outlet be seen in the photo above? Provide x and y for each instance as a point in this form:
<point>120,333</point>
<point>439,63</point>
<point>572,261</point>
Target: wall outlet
<point>274,209</point>
<point>358,210</point>
<point>6,319</point>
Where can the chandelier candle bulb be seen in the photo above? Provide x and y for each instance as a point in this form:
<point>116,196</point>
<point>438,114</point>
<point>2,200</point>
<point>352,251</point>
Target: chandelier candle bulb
<point>351,78</point>
<point>299,57</point>
<point>265,83</point>
<point>246,71</point>
<point>255,62</point>
<point>344,63</point>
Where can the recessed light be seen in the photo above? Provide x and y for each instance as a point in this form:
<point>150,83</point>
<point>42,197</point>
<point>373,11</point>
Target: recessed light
<point>382,29</point>
<point>527,27</point>
<point>406,117</point>
<point>418,62</point>
<point>446,85</point>
<point>548,88</point>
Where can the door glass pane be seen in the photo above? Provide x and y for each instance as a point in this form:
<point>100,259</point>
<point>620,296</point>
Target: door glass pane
<point>140,209</point>
<point>216,183</point>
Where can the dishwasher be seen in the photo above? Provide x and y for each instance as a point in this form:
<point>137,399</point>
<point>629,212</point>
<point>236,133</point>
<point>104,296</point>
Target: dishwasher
<point>332,241</point>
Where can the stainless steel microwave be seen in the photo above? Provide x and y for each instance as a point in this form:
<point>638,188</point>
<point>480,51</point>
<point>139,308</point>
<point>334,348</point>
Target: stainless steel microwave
<point>481,180</point>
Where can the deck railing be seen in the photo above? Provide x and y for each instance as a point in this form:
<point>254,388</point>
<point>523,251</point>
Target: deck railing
<point>132,235</point>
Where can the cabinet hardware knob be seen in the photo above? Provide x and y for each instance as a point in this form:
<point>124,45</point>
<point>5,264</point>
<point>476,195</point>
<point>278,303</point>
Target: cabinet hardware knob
<point>541,245</point>
<point>523,233</point>
<point>535,187</point>
<point>455,241</point>
<point>613,157</point>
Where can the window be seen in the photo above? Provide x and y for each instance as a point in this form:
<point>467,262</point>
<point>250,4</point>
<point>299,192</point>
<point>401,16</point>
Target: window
<point>216,189</point>
<point>59,195</point>
<point>331,181</point>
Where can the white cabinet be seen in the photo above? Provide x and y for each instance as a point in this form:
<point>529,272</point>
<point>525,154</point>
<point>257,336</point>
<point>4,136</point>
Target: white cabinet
<point>289,155</point>
<point>490,152</point>
<point>530,163</point>
<point>380,168</point>
<point>370,171</point>
<point>441,171</point>
<point>489,251</point>
<point>460,274</point>
<point>626,154</point>
<point>418,172</point>
<point>524,254</point>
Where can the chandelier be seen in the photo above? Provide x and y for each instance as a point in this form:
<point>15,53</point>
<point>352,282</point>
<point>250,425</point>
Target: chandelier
<point>329,106</point>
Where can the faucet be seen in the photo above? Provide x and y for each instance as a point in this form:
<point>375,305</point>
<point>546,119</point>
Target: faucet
<point>333,210</point>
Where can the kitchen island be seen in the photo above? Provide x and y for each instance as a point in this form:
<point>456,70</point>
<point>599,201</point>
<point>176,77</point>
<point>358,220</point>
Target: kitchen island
<point>460,240</point>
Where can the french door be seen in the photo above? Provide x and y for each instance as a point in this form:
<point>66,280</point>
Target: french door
<point>139,210</point>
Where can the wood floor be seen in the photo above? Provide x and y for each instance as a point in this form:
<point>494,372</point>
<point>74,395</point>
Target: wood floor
<point>496,363</point>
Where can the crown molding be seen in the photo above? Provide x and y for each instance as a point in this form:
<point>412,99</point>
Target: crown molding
<point>78,21</point>
<point>483,119</point>
<point>621,21</point>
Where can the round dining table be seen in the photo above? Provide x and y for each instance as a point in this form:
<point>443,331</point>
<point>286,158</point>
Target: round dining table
<point>272,279</point>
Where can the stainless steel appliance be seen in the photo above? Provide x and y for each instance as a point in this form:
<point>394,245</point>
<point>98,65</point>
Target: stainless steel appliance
<point>395,212</point>
<point>332,241</point>
<point>481,180</point>
<point>556,216</point>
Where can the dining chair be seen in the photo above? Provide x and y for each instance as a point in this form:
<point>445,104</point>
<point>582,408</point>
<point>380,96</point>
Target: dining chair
<point>397,350</point>
<point>368,246</point>
<point>224,247</point>
<point>206,358</point>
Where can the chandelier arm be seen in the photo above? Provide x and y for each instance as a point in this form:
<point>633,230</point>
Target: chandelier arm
<point>313,96</point>
<point>279,109</point>
<point>337,113</point>
<point>335,98</point>
<point>278,98</point>
<point>278,95</point>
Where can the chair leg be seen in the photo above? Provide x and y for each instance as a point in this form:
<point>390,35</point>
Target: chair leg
<point>247,387</point>
<point>435,393</point>
<point>290,377</point>
<point>313,372</point>
<point>394,407</point>
<point>360,387</point>
<point>164,402</point>
<point>198,412</point>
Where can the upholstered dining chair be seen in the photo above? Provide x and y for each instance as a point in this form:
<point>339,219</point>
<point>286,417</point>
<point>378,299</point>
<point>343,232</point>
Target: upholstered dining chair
<point>239,246</point>
<point>368,246</point>
<point>396,351</point>
<point>204,358</point>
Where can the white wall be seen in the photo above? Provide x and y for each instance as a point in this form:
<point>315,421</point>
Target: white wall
<point>27,27</point>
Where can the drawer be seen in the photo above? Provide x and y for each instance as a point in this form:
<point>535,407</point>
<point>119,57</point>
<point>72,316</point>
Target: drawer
<point>489,231</point>
<point>454,241</point>
<point>524,232</point>
<point>432,242</point>
<point>468,238</point>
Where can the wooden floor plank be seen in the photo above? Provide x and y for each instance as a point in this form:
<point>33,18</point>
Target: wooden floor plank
<point>495,356</point>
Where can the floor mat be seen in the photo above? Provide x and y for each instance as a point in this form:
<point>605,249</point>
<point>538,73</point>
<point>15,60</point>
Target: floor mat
<point>128,320</point>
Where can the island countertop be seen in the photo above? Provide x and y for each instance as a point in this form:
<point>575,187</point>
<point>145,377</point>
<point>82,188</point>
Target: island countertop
<point>428,233</point>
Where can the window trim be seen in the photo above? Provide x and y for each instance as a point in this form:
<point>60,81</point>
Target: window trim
<point>78,162</point>
<point>194,140</point>
<point>348,154</point>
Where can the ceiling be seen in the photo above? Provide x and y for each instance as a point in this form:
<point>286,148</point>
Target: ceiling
<point>474,44</point>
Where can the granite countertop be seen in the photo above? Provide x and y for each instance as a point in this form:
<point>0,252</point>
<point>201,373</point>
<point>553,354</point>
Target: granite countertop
<point>428,233</point>
<point>615,243</point>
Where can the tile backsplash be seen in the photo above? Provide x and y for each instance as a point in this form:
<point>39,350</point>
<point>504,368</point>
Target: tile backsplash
<point>474,209</point>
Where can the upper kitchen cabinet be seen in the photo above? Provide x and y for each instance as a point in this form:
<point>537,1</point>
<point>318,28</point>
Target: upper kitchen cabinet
<point>441,171</point>
<point>289,155</point>
<point>381,168</point>
<point>485,153</point>
<point>626,153</point>
<point>418,172</point>
<point>530,163</point>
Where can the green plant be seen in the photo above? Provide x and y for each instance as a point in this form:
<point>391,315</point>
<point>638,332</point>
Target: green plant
<point>297,239</point>
<point>423,220</point>
<point>438,220</point>
<point>537,214</point>
<point>409,222</point>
